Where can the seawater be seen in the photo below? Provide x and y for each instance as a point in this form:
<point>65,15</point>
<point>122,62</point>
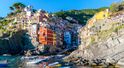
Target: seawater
<point>13,61</point>
<point>16,62</point>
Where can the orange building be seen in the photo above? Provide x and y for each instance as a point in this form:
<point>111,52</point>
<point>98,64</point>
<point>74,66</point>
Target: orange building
<point>46,36</point>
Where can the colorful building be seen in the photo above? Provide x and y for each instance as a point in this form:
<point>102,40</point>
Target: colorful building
<point>33,30</point>
<point>28,11</point>
<point>41,16</point>
<point>98,16</point>
<point>67,38</point>
<point>102,14</point>
<point>46,36</point>
<point>33,33</point>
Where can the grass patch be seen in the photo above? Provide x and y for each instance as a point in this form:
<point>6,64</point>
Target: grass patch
<point>105,33</point>
<point>118,28</point>
<point>92,40</point>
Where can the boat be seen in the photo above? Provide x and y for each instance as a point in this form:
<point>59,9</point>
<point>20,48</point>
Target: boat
<point>6,55</point>
<point>34,59</point>
<point>53,64</point>
<point>66,67</point>
<point>3,63</point>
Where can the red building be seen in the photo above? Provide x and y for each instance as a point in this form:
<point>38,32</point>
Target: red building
<point>46,36</point>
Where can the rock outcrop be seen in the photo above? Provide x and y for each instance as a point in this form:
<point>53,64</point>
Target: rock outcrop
<point>104,40</point>
<point>12,45</point>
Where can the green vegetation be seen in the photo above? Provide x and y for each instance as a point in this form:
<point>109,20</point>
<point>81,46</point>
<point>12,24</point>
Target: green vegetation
<point>106,33</point>
<point>83,15</point>
<point>16,8</point>
<point>118,28</point>
<point>3,25</point>
<point>92,40</point>
<point>4,22</point>
<point>115,7</point>
<point>80,15</point>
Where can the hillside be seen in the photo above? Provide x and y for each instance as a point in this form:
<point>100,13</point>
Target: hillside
<point>80,15</point>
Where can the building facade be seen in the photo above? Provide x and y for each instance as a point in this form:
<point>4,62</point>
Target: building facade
<point>46,36</point>
<point>67,38</point>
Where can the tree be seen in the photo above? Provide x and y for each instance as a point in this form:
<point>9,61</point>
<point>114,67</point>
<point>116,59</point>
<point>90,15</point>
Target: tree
<point>121,6</point>
<point>117,6</point>
<point>80,15</point>
<point>113,7</point>
<point>17,6</point>
<point>34,10</point>
<point>11,8</point>
<point>103,8</point>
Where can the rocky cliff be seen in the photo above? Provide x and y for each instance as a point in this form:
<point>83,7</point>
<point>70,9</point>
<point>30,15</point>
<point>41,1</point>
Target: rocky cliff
<point>104,39</point>
<point>12,45</point>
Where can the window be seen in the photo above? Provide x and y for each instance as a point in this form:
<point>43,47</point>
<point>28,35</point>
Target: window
<point>43,33</point>
<point>104,15</point>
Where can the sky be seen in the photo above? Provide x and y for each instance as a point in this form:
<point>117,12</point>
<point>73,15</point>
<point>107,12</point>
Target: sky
<point>55,5</point>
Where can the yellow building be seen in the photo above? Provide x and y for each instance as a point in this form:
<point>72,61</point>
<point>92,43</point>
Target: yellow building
<point>102,15</point>
<point>98,16</point>
<point>54,39</point>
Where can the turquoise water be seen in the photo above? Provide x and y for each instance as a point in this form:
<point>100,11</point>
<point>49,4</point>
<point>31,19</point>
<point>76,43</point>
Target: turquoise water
<point>15,62</point>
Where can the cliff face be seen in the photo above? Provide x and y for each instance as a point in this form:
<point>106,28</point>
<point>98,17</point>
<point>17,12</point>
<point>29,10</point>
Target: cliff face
<point>14,44</point>
<point>104,39</point>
